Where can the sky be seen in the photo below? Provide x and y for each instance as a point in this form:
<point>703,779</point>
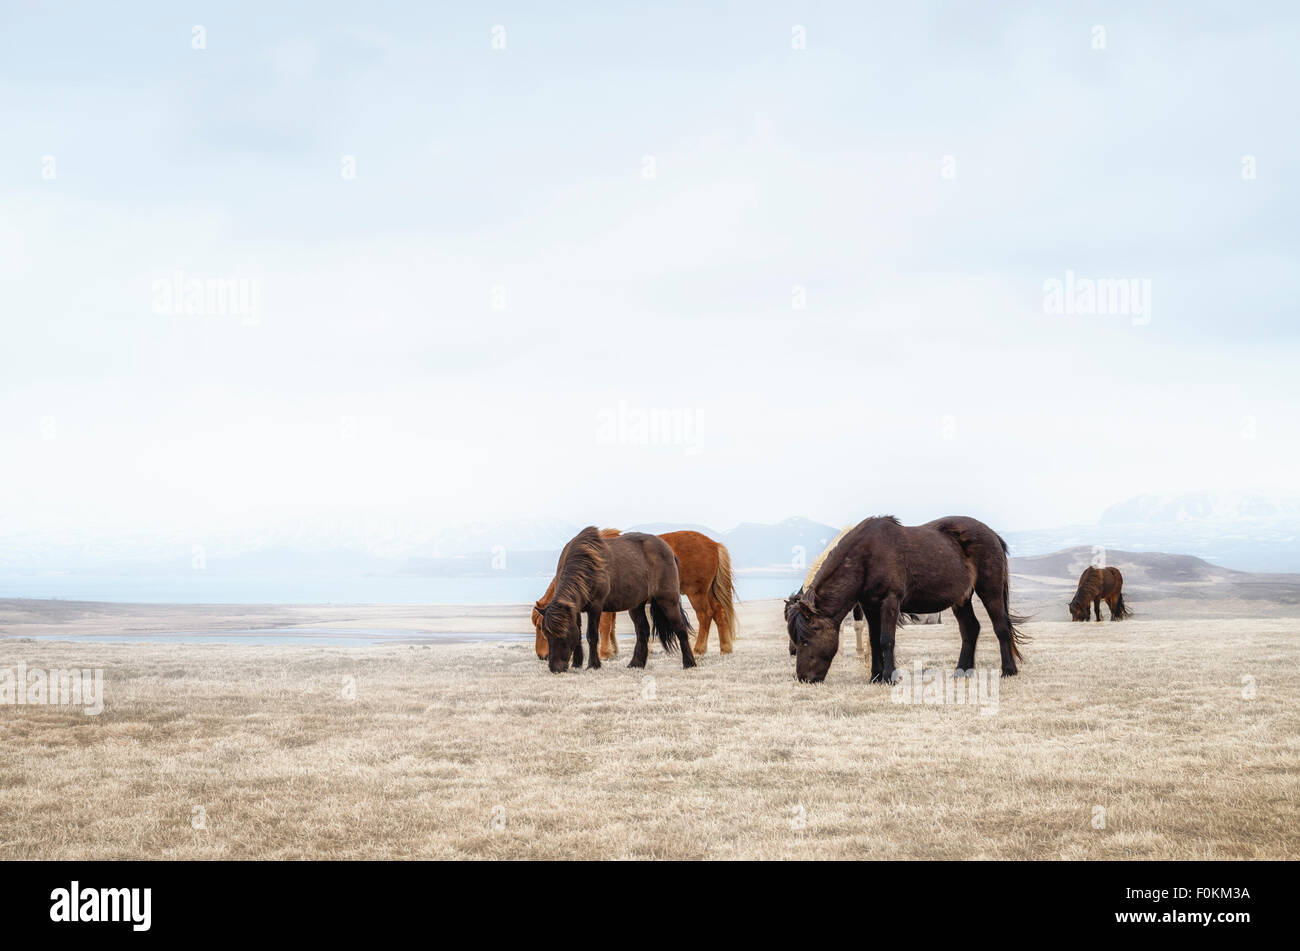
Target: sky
<point>625,263</point>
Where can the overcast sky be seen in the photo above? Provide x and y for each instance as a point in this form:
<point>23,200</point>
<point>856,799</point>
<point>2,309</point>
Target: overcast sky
<point>477,270</point>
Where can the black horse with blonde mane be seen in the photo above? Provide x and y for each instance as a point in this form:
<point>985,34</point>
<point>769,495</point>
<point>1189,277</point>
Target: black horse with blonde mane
<point>892,569</point>
<point>622,573</point>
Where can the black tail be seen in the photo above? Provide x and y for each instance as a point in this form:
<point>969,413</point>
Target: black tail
<point>1018,636</point>
<point>663,629</point>
<point>1120,612</point>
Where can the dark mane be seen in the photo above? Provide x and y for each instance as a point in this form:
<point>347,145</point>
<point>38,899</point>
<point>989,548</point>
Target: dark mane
<point>797,627</point>
<point>583,562</point>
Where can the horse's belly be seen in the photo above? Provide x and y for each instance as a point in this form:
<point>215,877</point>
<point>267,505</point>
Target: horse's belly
<point>624,600</point>
<point>929,603</point>
<point>616,606</point>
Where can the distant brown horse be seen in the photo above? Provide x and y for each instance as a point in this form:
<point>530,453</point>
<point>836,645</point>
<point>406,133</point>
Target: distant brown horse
<point>623,573</point>
<point>890,569</point>
<point>704,567</point>
<point>1095,586</point>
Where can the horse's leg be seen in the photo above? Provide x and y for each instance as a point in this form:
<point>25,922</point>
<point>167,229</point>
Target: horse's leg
<point>672,609</point>
<point>642,626</point>
<point>969,625</point>
<point>991,595</point>
<point>873,635</point>
<point>577,648</point>
<point>593,639</point>
<point>889,611</point>
<point>1096,608</point>
<point>703,617</point>
<point>608,643</point>
<point>858,624</point>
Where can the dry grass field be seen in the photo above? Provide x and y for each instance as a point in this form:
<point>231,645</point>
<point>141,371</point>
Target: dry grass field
<point>474,750</point>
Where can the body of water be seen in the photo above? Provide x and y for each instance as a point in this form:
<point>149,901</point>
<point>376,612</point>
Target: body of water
<point>203,588</point>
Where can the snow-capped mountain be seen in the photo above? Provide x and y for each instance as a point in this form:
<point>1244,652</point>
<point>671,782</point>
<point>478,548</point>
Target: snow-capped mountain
<point>1202,506</point>
<point>1248,532</point>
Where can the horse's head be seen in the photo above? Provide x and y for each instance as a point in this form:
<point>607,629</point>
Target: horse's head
<point>1078,610</point>
<point>560,625</point>
<point>539,640</point>
<point>815,638</point>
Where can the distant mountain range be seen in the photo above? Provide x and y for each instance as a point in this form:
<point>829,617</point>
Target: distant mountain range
<point>1201,507</point>
<point>1246,532</point>
<point>1044,582</point>
<point>1242,531</point>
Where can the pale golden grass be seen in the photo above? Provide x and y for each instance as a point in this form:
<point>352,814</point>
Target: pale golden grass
<point>1145,718</point>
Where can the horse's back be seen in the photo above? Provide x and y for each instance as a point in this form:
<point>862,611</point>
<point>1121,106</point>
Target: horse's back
<point>697,554</point>
<point>638,541</point>
<point>643,565</point>
<point>976,540</point>
<point>1112,581</point>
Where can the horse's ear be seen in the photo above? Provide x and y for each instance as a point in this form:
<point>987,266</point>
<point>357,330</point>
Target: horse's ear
<point>807,606</point>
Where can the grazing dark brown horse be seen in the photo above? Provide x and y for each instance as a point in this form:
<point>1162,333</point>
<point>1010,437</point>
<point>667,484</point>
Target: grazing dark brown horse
<point>704,569</point>
<point>891,569</point>
<point>1095,586</point>
<point>859,613</point>
<point>623,573</point>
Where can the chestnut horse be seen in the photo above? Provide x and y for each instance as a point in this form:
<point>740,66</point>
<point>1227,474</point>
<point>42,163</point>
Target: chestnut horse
<point>1095,586</point>
<point>622,573</point>
<point>890,569</point>
<point>704,567</point>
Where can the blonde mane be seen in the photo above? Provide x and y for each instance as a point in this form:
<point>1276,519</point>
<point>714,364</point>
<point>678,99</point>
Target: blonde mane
<point>820,559</point>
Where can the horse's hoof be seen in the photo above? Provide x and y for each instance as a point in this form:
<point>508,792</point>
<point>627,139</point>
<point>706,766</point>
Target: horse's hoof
<point>1009,671</point>
<point>633,663</point>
